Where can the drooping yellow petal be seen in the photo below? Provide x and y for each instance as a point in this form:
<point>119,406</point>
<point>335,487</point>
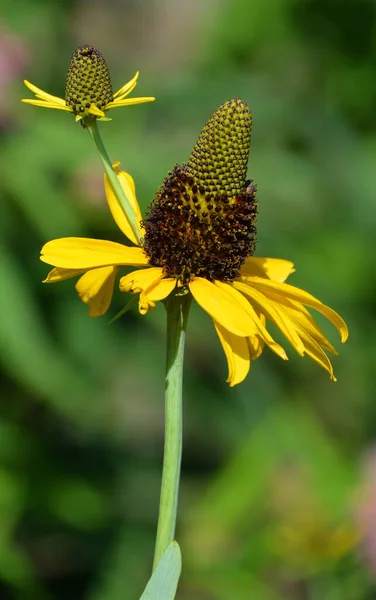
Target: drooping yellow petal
<point>256,342</point>
<point>86,253</point>
<point>141,280</point>
<point>58,274</point>
<point>237,354</point>
<point>45,104</point>
<point>295,328</point>
<point>314,351</point>
<point>161,289</point>
<point>301,315</point>
<point>259,328</point>
<point>44,95</point>
<point>271,310</point>
<point>129,101</point>
<point>155,293</point>
<point>276,269</point>
<point>256,345</point>
<point>96,288</point>
<point>289,291</point>
<point>128,87</point>
<point>127,183</point>
<point>222,307</point>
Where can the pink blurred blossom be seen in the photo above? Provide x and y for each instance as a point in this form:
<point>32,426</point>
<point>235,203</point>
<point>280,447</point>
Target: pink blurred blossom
<point>14,59</point>
<point>88,183</point>
<point>366,512</point>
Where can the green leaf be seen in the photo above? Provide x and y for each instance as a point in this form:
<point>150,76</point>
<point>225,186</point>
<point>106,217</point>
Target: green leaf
<point>163,583</point>
<point>124,310</point>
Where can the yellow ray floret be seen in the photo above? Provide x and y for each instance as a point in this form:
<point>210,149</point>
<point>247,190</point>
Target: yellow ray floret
<point>240,310</point>
<point>46,100</point>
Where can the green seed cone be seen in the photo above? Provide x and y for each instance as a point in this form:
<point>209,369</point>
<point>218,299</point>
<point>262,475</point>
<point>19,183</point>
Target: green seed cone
<point>88,81</point>
<point>220,156</point>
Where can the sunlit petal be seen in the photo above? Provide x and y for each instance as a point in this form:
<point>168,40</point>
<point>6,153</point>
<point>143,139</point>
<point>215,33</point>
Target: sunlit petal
<point>256,342</point>
<point>237,354</point>
<point>86,253</point>
<point>46,104</point>
<point>58,274</point>
<point>301,315</point>
<point>128,87</point>
<point>220,305</point>
<point>259,328</point>
<point>161,289</point>
<point>141,280</point>
<point>129,101</point>
<point>126,93</point>
<point>96,288</point>
<point>312,347</point>
<point>94,110</point>
<point>155,293</point>
<point>276,269</point>
<point>289,291</point>
<point>127,183</point>
<point>44,95</point>
<point>271,310</point>
<point>314,351</point>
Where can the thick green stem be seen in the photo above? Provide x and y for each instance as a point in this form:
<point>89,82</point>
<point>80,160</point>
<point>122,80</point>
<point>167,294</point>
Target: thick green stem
<point>93,130</point>
<point>177,317</point>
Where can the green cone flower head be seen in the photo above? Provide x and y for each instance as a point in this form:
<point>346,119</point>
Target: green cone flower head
<point>88,81</point>
<point>220,156</point>
<point>201,222</point>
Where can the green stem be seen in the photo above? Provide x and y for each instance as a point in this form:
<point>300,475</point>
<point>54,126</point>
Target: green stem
<point>177,317</point>
<point>93,130</point>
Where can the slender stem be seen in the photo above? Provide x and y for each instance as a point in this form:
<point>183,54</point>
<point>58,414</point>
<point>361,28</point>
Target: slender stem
<point>177,317</point>
<point>92,127</point>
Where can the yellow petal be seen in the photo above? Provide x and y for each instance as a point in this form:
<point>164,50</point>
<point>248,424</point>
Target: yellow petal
<point>94,110</point>
<point>42,94</point>
<point>237,353</point>
<point>86,253</point>
<point>311,346</point>
<point>96,288</point>
<point>141,280</point>
<point>301,315</point>
<point>126,93</point>
<point>259,328</point>
<point>155,293</point>
<point>271,310</point>
<point>161,289</point>
<point>129,101</point>
<point>276,269</point>
<point>127,183</point>
<point>46,104</point>
<point>256,346</point>
<point>128,87</point>
<point>289,291</point>
<point>62,274</point>
<point>314,351</point>
<point>255,342</point>
<point>222,306</point>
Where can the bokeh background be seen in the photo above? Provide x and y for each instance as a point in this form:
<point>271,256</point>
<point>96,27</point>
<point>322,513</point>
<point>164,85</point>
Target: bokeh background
<point>278,495</point>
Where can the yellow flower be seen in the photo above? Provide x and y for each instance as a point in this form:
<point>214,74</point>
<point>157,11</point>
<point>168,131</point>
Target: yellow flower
<point>239,308</point>
<point>312,539</point>
<point>88,89</point>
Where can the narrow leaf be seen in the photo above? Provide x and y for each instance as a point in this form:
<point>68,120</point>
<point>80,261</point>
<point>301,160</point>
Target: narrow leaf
<point>164,582</point>
<point>124,310</point>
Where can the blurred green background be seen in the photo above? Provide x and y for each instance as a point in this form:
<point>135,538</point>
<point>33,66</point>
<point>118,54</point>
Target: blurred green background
<point>278,495</point>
